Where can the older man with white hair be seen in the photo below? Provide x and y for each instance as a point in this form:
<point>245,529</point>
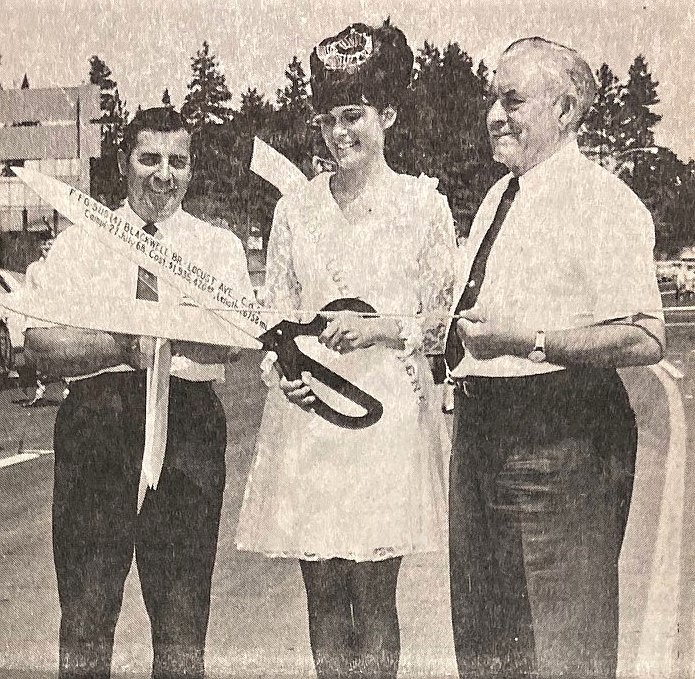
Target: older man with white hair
<point>559,290</point>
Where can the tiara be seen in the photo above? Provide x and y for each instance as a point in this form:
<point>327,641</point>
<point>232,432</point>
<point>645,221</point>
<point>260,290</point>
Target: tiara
<point>348,52</point>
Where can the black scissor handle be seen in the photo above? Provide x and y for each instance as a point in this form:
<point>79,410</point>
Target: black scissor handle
<point>293,362</point>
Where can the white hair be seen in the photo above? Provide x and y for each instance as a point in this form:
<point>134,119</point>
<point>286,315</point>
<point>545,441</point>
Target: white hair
<point>566,63</point>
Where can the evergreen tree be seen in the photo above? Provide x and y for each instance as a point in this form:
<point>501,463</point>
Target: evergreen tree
<point>205,110</point>
<point>445,132</point>
<point>25,82</point>
<point>166,99</point>
<point>638,120</point>
<point>254,107</point>
<point>105,177</point>
<point>637,128</point>
<point>207,91</point>
<point>599,136</point>
<point>292,134</point>
<point>295,95</point>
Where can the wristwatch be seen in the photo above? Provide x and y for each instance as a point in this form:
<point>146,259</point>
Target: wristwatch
<point>538,353</point>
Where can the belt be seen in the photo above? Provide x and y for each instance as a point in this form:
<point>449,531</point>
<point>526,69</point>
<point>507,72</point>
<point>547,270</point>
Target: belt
<point>577,381</point>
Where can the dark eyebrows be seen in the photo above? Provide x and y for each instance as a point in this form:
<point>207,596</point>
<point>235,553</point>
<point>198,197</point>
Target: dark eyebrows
<point>156,155</point>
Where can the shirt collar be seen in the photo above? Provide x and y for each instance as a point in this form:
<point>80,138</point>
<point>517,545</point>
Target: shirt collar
<point>551,168</point>
<point>163,225</point>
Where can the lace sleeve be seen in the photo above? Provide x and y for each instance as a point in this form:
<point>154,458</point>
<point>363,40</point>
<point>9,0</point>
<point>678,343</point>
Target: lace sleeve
<point>436,275</point>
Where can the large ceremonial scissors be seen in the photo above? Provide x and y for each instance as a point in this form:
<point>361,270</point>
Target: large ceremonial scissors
<point>280,339</point>
<point>225,315</point>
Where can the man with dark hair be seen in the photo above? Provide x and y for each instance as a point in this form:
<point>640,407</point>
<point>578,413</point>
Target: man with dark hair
<point>99,431</point>
<point>560,290</point>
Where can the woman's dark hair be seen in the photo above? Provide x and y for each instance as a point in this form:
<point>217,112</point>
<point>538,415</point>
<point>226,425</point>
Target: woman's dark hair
<point>361,64</point>
<point>159,119</point>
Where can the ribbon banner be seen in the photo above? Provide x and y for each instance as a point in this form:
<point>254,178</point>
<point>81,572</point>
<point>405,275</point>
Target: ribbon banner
<point>206,287</point>
<point>232,311</point>
<point>225,315</point>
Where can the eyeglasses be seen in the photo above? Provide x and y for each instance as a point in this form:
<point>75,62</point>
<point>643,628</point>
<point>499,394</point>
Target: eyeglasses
<point>346,118</point>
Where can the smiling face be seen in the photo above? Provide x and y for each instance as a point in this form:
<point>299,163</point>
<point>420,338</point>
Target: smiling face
<point>158,172</point>
<point>526,122</point>
<point>355,134</point>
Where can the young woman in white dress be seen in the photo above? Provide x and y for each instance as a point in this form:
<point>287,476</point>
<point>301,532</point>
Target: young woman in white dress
<point>349,504</point>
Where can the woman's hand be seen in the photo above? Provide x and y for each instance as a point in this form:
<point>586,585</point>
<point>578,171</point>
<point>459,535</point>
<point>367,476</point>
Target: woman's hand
<point>347,331</point>
<point>298,391</point>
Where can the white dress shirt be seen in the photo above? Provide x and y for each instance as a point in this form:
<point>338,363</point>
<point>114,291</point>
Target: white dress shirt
<point>81,265</point>
<point>575,249</point>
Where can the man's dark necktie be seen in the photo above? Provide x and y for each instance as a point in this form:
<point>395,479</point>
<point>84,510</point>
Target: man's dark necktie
<point>147,282</point>
<point>454,351</point>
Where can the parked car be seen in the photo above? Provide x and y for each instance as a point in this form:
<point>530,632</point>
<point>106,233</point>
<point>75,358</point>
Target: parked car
<point>11,324</point>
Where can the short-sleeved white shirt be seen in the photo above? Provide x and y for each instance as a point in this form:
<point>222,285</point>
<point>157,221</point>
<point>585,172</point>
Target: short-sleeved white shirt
<point>81,265</point>
<point>575,249</point>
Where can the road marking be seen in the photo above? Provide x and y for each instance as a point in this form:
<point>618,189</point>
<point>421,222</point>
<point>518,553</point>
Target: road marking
<point>24,456</point>
<point>671,370</point>
<point>17,459</point>
<point>659,642</point>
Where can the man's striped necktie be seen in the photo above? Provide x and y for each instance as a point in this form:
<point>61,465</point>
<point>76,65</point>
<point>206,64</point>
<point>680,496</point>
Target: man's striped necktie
<point>147,282</point>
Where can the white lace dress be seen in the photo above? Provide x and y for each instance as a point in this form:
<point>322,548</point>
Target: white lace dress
<point>317,491</point>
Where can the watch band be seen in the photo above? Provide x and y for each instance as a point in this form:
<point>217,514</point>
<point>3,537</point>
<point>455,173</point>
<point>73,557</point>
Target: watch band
<point>538,355</point>
<point>540,341</point>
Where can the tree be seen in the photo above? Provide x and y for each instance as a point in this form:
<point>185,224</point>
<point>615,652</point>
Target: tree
<point>205,110</point>
<point>637,125</point>
<point>25,82</point>
<point>638,120</point>
<point>207,91</point>
<point>599,136</point>
<point>166,99</point>
<point>443,131</point>
<point>619,134</point>
<point>294,96</point>
<point>293,136</point>
<point>105,178</point>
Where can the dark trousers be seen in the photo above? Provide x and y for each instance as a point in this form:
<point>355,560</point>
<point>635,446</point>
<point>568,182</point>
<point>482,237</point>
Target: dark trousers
<point>98,440</point>
<point>540,485</point>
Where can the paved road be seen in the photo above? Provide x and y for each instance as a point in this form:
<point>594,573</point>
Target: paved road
<point>258,620</point>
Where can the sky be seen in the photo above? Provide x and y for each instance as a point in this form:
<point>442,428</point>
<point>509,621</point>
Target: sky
<point>148,43</point>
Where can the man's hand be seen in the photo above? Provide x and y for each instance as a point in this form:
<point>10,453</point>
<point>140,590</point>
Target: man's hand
<point>204,353</point>
<point>485,339</point>
<point>298,391</point>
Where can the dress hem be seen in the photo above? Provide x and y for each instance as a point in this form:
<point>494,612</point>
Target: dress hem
<point>380,554</point>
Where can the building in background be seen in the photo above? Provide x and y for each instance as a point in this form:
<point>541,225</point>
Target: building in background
<point>50,130</point>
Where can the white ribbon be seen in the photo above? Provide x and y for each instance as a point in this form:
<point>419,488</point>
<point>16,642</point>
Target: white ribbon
<point>156,418</point>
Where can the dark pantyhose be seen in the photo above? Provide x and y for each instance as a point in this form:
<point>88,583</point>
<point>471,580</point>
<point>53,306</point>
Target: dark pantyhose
<point>353,623</point>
